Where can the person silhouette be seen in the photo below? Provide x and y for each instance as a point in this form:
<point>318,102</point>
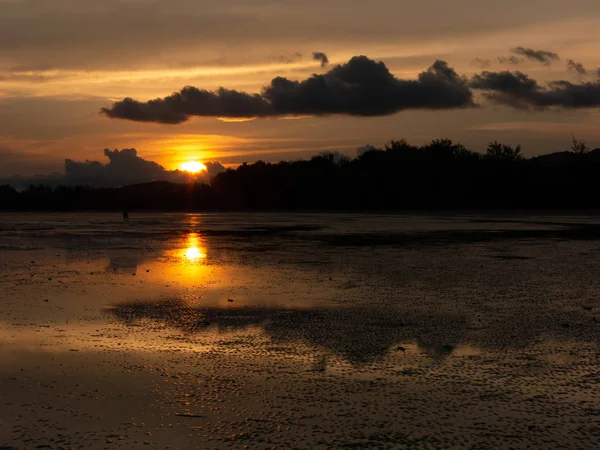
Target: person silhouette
<point>125,216</point>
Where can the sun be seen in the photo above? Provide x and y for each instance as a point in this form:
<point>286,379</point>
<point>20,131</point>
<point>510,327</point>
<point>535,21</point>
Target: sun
<point>192,167</point>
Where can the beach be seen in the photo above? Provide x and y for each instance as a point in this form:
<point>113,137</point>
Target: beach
<point>299,331</point>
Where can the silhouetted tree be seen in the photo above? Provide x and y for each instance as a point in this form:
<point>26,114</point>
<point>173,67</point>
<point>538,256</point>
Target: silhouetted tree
<point>499,152</point>
<point>440,174</point>
<point>579,147</point>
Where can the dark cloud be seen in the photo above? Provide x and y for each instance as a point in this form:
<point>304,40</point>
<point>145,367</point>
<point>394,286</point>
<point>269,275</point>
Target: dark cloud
<point>123,165</point>
<point>542,56</point>
<point>322,58</point>
<point>483,63</point>
<point>191,101</point>
<point>126,167</point>
<point>520,91</point>
<point>297,56</point>
<point>510,60</point>
<point>361,87</point>
<point>576,67</point>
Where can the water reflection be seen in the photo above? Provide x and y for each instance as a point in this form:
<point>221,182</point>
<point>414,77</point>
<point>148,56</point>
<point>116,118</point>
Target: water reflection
<point>181,262</point>
<point>437,298</point>
<point>194,250</point>
<point>360,335</point>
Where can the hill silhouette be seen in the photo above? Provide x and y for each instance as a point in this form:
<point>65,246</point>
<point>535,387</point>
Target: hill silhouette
<point>439,175</point>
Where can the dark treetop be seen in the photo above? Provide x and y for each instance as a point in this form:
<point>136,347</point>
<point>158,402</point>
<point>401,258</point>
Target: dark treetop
<point>439,175</point>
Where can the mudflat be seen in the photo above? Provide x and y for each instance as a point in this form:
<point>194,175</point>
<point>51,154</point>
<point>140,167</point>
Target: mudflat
<point>299,331</point>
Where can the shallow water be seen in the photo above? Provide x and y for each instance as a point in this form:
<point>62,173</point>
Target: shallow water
<point>299,331</point>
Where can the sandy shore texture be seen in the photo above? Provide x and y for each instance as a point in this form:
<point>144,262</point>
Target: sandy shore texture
<point>293,331</point>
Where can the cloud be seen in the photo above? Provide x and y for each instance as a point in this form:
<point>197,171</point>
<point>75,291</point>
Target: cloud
<point>510,60</point>
<point>483,63</point>
<point>126,167</point>
<point>191,101</point>
<point>576,67</point>
<point>297,56</point>
<point>505,87</point>
<point>12,76</point>
<point>361,87</point>
<point>72,34</point>
<point>518,90</point>
<point>542,56</point>
<point>213,168</point>
<point>17,160</point>
<point>322,57</point>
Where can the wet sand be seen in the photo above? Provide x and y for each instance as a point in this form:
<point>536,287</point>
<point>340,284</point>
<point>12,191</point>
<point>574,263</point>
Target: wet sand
<point>299,331</point>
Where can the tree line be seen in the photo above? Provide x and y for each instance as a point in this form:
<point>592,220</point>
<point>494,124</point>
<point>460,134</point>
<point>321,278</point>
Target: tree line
<point>399,176</point>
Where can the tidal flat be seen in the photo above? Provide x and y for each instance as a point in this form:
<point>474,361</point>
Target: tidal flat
<point>299,331</point>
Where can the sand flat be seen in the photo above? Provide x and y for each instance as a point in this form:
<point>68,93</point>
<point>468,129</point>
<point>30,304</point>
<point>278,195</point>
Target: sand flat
<point>301,331</point>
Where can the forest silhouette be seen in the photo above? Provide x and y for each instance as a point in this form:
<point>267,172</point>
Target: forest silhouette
<point>400,176</point>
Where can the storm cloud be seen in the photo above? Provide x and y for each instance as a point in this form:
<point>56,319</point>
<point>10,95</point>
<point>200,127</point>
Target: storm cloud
<point>518,90</point>
<point>322,58</point>
<point>361,87</point>
<point>543,56</point>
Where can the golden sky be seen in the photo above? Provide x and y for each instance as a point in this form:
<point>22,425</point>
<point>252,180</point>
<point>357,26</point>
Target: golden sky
<point>63,60</point>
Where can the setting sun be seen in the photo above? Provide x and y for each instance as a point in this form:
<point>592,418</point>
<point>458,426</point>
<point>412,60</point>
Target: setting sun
<point>192,167</point>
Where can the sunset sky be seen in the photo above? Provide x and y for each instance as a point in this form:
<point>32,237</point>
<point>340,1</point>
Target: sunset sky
<point>61,61</point>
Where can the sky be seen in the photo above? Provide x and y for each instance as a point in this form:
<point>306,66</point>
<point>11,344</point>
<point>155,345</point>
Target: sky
<point>383,69</point>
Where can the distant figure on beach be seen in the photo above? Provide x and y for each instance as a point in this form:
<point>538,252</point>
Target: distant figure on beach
<point>125,216</point>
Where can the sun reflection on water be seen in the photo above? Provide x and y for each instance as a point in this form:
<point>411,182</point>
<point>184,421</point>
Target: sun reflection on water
<point>194,254</point>
<point>194,251</point>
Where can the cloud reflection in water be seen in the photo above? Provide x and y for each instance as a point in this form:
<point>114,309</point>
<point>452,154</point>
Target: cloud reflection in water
<point>360,335</point>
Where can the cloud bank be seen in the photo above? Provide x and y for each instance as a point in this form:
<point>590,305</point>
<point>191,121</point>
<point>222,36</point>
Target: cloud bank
<point>361,87</point>
<point>72,34</point>
<point>364,87</point>
<point>518,90</point>
<point>125,167</point>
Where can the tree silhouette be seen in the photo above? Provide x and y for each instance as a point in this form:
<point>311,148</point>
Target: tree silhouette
<point>579,147</point>
<point>439,175</point>
<point>499,152</point>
